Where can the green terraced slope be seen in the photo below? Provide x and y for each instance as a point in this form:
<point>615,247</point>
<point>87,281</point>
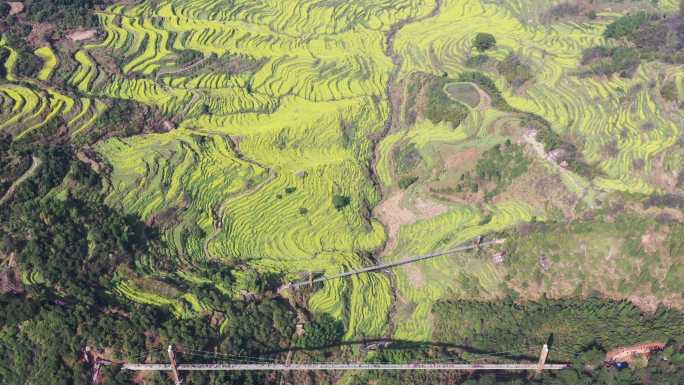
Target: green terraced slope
<point>273,109</point>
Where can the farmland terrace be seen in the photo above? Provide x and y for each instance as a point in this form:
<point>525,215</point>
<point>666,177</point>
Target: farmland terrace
<point>184,159</point>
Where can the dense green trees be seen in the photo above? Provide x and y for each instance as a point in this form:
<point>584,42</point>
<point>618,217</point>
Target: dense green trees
<point>496,169</point>
<point>440,107</point>
<point>63,236</point>
<point>502,164</point>
<point>73,240</point>
<point>641,36</point>
<point>625,26</point>
<point>65,13</point>
<point>4,10</point>
<point>484,41</point>
<point>606,61</point>
<point>514,70</point>
<point>572,326</point>
<point>323,331</point>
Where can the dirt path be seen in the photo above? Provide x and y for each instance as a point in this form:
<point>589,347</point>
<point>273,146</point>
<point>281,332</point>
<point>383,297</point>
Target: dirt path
<point>29,173</point>
<point>485,99</point>
<point>393,113</point>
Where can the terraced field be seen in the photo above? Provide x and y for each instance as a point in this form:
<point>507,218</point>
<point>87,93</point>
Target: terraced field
<point>621,122</point>
<point>274,117</point>
<point>28,104</point>
<point>275,110</point>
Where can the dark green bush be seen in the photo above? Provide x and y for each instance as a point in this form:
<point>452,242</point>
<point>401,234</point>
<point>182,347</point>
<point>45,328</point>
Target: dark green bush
<point>407,158</point>
<point>340,201</point>
<point>501,165</point>
<point>406,181</point>
<point>323,331</point>
<point>545,135</point>
<point>514,70</point>
<point>441,108</point>
<point>606,61</point>
<point>625,25</point>
<point>65,13</point>
<point>484,41</point>
<point>4,10</point>
<point>669,91</point>
<point>593,53</point>
<point>28,64</point>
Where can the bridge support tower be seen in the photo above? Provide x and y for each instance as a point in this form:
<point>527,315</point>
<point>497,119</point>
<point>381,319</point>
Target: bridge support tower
<point>542,357</point>
<point>174,366</point>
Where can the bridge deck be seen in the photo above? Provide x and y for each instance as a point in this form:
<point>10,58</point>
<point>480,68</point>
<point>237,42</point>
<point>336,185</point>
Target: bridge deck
<point>387,265</point>
<point>291,367</point>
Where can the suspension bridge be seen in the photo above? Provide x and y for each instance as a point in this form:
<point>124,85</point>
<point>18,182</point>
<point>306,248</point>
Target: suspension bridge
<point>388,265</point>
<point>259,364</point>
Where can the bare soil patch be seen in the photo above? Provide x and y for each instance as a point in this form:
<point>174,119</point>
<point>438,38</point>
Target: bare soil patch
<point>661,177</point>
<point>485,99</point>
<point>540,189</point>
<point>392,215</point>
<point>625,353</point>
<point>428,208</point>
<point>646,302</point>
<point>10,281</point>
<point>16,7</point>
<point>415,275</point>
<point>463,158</point>
<point>82,35</point>
<point>655,242</point>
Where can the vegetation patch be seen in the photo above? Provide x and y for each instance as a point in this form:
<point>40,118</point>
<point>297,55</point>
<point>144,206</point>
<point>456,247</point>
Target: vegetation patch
<point>489,87</point>
<point>440,107</point>
<point>514,70</point>
<point>569,326</point>
<point>407,181</point>
<point>484,41</point>
<point>606,254</point>
<point>463,92</point>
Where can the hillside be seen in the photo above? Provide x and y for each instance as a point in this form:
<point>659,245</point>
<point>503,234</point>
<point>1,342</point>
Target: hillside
<point>169,167</point>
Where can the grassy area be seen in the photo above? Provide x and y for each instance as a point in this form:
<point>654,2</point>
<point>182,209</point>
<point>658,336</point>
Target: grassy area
<point>619,255</point>
<point>464,93</point>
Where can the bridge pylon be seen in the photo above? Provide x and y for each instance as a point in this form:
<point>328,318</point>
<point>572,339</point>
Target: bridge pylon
<point>542,357</point>
<point>174,366</point>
